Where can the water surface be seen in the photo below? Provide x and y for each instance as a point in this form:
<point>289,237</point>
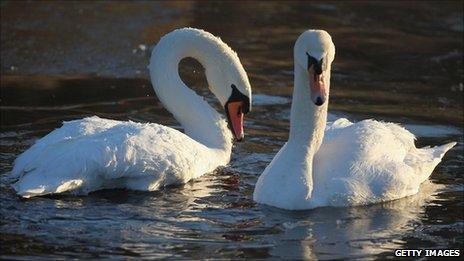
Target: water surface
<point>398,62</point>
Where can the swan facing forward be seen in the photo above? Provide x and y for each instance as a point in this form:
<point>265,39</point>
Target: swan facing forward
<point>344,163</point>
<point>93,153</point>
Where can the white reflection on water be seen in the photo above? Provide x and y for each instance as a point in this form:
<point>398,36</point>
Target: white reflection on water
<point>265,99</point>
<point>355,232</point>
<point>432,130</point>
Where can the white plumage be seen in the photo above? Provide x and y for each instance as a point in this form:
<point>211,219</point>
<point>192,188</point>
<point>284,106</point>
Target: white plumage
<point>94,153</point>
<point>369,162</point>
<point>341,163</point>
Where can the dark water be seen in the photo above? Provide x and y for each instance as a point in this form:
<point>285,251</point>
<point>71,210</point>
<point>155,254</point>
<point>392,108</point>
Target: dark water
<point>397,61</point>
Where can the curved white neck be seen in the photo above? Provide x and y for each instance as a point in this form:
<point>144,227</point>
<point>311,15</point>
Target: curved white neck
<point>200,121</point>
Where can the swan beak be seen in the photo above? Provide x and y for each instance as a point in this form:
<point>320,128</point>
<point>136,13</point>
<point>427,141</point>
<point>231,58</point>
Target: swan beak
<point>317,86</point>
<point>235,117</point>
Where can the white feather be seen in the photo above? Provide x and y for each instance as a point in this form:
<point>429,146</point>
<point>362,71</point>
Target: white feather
<point>342,163</point>
<point>94,153</point>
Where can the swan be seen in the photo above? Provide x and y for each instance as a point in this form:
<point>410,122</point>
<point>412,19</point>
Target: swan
<point>94,153</point>
<point>342,163</point>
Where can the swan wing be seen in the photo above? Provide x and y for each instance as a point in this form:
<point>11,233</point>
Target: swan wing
<point>93,153</point>
<point>70,130</point>
<point>370,161</point>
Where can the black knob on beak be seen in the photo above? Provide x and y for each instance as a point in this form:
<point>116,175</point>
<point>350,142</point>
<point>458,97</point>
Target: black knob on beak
<point>319,101</point>
<point>317,64</point>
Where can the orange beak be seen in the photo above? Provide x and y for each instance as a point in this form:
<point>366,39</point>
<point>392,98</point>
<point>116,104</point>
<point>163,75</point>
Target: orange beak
<point>317,86</point>
<point>235,117</point>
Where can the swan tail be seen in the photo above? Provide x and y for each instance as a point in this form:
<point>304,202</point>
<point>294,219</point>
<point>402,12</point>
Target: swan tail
<point>428,158</point>
<point>33,184</point>
<point>52,174</point>
<point>439,151</point>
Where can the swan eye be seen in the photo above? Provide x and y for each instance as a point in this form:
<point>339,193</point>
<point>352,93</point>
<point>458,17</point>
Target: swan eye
<point>236,95</point>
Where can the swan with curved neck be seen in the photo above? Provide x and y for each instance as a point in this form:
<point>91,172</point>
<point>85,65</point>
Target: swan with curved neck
<point>94,153</point>
<point>342,163</point>
<point>226,78</point>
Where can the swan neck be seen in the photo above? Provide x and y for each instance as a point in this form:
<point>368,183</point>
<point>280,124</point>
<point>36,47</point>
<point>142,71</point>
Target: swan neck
<point>307,121</point>
<point>199,120</point>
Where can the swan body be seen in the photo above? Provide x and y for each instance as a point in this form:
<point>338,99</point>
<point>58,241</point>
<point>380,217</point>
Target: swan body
<point>340,163</point>
<point>94,153</point>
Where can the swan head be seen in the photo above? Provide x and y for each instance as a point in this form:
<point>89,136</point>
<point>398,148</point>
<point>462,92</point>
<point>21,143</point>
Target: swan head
<point>314,52</point>
<point>229,82</point>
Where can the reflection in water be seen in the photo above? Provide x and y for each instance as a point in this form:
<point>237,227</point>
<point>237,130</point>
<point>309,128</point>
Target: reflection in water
<point>361,231</point>
<point>62,62</point>
<point>432,130</point>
